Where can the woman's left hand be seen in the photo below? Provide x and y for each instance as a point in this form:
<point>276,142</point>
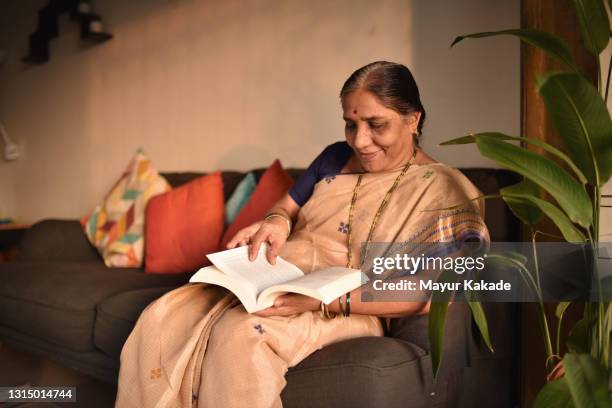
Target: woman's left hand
<point>290,304</point>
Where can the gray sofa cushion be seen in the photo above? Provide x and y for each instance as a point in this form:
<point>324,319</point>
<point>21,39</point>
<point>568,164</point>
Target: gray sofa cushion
<point>93,363</point>
<point>363,372</point>
<point>117,316</point>
<point>57,241</point>
<point>57,301</point>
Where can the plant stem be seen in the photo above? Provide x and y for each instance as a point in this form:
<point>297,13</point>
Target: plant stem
<point>535,260</point>
<point>542,315</point>
<point>608,80</point>
<point>607,330</point>
<point>596,201</point>
<point>601,352</point>
<point>546,234</point>
<point>601,312</point>
<point>543,319</point>
<point>544,326</point>
<point>559,337</point>
<point>599,78</point>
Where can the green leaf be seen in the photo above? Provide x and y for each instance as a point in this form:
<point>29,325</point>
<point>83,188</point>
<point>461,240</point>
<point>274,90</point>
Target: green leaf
<point>558,217</point>
<point>578,339</point>
<point>437,320</point>
<point>524,210</point>
<point>514,260</point>
<point>544,172</point>
<point>543,145</point>
<point>594,24</point>
<point>463,203</point>
<point>587,381</point>
<point>561,308</point>
<point>582,119</point>
<point>559,312</point>
<point>555,394</point>
<point>550,44</point>
<point>480,318</point>
<point>460,140</point>
<point>512,255</point>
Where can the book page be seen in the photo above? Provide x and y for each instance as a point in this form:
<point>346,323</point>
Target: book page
<point>325,284</point>
<point>243,290</point>
<point>260,274</point>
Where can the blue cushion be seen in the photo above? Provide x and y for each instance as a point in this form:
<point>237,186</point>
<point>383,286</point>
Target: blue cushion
<point>240,196</point>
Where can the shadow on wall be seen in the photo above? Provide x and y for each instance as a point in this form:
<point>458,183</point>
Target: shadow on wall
<point>472,87</point>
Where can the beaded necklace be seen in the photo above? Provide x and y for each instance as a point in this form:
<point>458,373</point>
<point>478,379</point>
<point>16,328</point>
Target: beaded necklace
<point>381,209</point>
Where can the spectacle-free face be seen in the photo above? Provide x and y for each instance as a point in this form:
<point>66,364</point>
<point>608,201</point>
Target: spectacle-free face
<point>381,138</point>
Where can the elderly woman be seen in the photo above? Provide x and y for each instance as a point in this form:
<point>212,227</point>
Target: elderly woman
<point>197,346</point>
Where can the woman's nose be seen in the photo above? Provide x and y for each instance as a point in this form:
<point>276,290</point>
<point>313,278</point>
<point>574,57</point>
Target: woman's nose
<point>362,138</point>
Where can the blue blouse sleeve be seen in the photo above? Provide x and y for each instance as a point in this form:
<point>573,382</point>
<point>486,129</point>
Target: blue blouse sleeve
<point>329,162</point>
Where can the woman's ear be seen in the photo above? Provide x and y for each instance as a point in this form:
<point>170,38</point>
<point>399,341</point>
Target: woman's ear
<point>413,119</point>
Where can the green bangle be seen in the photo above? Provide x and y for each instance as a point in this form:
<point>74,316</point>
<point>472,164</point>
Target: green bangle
<point>348,304</point>
<point>340,307</point>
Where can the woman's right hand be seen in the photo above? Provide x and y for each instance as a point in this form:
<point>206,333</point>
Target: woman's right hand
<point>273,231</point>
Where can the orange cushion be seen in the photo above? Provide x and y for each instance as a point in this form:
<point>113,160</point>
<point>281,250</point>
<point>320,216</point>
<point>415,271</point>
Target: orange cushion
<point>273,185</point>
<point>184,225</point>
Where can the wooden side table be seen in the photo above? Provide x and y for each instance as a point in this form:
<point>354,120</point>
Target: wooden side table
<point>10,235</point>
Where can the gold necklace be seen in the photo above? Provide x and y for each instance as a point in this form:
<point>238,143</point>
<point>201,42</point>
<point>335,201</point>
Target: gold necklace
<point>381,209</point>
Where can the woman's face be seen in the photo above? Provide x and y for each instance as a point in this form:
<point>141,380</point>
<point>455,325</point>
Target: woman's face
<point>380,137</point>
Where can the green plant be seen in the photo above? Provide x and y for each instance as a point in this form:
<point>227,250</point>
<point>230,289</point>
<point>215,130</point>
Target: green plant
<point>578,111</point>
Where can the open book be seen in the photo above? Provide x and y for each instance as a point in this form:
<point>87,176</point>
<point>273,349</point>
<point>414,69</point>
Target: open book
<point>258,283</point>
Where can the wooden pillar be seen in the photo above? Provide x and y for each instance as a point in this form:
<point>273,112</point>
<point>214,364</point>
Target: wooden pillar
<point>557,17</point>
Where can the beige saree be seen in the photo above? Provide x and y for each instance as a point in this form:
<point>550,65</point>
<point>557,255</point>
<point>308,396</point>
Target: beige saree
<point>197,347</point>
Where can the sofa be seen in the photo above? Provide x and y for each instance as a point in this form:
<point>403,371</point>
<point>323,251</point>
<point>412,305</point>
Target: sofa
<point>58,300</point>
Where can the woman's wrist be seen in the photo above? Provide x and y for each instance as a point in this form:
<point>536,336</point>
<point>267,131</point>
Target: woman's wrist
<point>273,215</point>
<point>341,306</point>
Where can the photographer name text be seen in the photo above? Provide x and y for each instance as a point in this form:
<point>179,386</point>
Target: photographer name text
<point>430,285</point>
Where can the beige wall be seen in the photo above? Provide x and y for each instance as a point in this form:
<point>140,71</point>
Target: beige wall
<point>202,85</point>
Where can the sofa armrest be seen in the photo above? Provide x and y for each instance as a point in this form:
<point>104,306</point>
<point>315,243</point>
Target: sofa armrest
<point>57,240</point>
<point>364,372</point>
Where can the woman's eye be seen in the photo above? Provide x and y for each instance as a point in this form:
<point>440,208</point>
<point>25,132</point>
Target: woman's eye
<point>376,125</point>
<point>349,126</point>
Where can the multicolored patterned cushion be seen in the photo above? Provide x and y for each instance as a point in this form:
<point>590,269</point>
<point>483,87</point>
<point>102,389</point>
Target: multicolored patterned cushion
<point>116,226</point>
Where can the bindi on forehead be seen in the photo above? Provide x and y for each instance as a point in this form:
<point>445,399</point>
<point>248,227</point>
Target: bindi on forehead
<point>354,111</point>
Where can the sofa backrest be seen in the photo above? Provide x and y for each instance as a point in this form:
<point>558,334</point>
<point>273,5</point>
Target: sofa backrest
<point>230,178</point>
<point>503,226</point>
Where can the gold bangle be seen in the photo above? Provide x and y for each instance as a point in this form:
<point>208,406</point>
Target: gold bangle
<point>326,313</point>
<point>284,217</point>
